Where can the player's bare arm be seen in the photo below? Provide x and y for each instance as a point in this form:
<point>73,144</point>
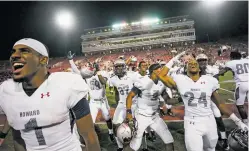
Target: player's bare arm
<point>102,79</point>
<point>116,95</point>
<point>19,143</point>
<point>167,81</point>
<point>223,71</point>
<point>221,105</point>
<point>129,98</point>
<point>85,125</point>
<point>4,132</point>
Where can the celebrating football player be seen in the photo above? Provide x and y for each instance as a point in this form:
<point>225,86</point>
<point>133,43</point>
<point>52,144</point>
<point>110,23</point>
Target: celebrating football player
<point>240,68</point>
<point>148,89</point>
<point>97,93</point>
<point>38,103</point>
<point>196,92</point>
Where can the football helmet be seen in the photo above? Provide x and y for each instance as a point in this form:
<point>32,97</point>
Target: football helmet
<point>201,56</point>
<point>86,72</point>
<point>119,67</point>
<point>124,133</point>
<point>238,140</point>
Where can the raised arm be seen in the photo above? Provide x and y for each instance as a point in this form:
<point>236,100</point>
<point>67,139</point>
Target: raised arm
<point>72,64</point>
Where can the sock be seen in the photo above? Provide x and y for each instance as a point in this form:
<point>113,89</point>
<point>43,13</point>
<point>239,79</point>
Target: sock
<point>110,131</point>
<point>223,135</point>
<point>120,145</point>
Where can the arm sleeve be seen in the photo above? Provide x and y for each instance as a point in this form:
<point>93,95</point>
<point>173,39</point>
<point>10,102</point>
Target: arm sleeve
<point>216,85</point>
<point>136,90</point>
<point>74,67</point>
<point>110,82</point>
<point>81,109</point>
<point>79,90</point>
<point>143,83</point>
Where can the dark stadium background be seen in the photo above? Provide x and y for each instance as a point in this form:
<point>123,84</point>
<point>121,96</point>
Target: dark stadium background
<point>36,20</point>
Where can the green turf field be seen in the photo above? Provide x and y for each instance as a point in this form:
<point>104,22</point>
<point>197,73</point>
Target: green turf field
<point>176,128</point>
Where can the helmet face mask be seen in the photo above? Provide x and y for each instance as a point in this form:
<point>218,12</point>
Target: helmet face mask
<point>238,140</point>
<point>119,67</point>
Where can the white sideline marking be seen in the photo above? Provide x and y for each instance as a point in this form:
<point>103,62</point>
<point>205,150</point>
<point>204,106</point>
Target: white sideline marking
<point>231,100</point>
<point>226,90</point>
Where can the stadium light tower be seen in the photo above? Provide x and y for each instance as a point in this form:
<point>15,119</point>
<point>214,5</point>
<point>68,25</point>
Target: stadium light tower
<point>65,20</point>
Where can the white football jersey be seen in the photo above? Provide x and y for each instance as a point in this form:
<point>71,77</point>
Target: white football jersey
<point>43,118</point>
<point>148,99</point>
<point>210,70</point>
<point>123,85</point>
<point>196,95</point>
<point>240,69</point>
<point>97,90</point>
<point>176,70</point>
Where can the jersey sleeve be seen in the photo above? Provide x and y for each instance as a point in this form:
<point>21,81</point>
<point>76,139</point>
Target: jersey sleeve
<point>216,84</point>
<point>177,78</point>
<point>143,83</point>
<point>110,82</point>
<point>228,64</point>
<point>79,89</point>
<point>74,67</point>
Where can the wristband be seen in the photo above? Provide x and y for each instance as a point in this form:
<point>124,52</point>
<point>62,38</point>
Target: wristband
<point>128,111</point>
<point>234,118</point>
<point>3,135</point>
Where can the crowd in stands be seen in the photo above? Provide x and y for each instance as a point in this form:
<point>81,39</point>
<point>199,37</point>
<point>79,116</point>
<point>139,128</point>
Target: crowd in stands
<point>105,61</point>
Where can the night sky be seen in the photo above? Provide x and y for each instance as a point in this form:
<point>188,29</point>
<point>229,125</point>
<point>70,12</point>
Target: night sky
<point>37,20</point>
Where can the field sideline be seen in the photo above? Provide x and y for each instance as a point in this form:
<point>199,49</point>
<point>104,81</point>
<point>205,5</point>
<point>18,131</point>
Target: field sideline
<point>175,124</point>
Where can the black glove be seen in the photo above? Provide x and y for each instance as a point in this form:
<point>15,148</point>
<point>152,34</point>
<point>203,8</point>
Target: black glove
<point>70,55</point>
<point>162,113</point>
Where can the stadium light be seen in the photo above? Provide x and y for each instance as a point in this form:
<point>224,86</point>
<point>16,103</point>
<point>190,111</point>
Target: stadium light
<point>119,25</point>
<point>212,3</point>
<point>147,21</point>
<point>65,20</point>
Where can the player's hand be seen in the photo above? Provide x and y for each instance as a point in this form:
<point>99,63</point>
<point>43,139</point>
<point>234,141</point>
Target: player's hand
<point>70,55</point>
<point>128,117</point>
<point>1,141</point>
<point>162,112</point>
<point>243,126</point>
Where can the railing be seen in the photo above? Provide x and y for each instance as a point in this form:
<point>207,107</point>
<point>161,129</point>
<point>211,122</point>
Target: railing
<point>188,23</point>
<point>137,44</point>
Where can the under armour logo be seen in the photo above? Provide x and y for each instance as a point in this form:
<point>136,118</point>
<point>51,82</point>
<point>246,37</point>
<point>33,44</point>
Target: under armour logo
<point>203,82</point>
<point>42,95</point>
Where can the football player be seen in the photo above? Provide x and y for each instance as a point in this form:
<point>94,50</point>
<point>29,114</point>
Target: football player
<point>196,92</point>
<point>38,103</point>
<point>240,69</point>
<point>97,94</point>
<point>122,82</point>
<point>206,69</point>
<point>148,89</point>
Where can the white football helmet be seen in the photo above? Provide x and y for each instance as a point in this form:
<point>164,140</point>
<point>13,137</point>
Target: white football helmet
<point>238,140</point>
<point>201,56</point>
<point>86,72</point>
<point>119,67</point>
<point>124,133</point>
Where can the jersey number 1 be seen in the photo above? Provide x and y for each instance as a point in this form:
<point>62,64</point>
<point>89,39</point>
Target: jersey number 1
<point>32,124</point>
